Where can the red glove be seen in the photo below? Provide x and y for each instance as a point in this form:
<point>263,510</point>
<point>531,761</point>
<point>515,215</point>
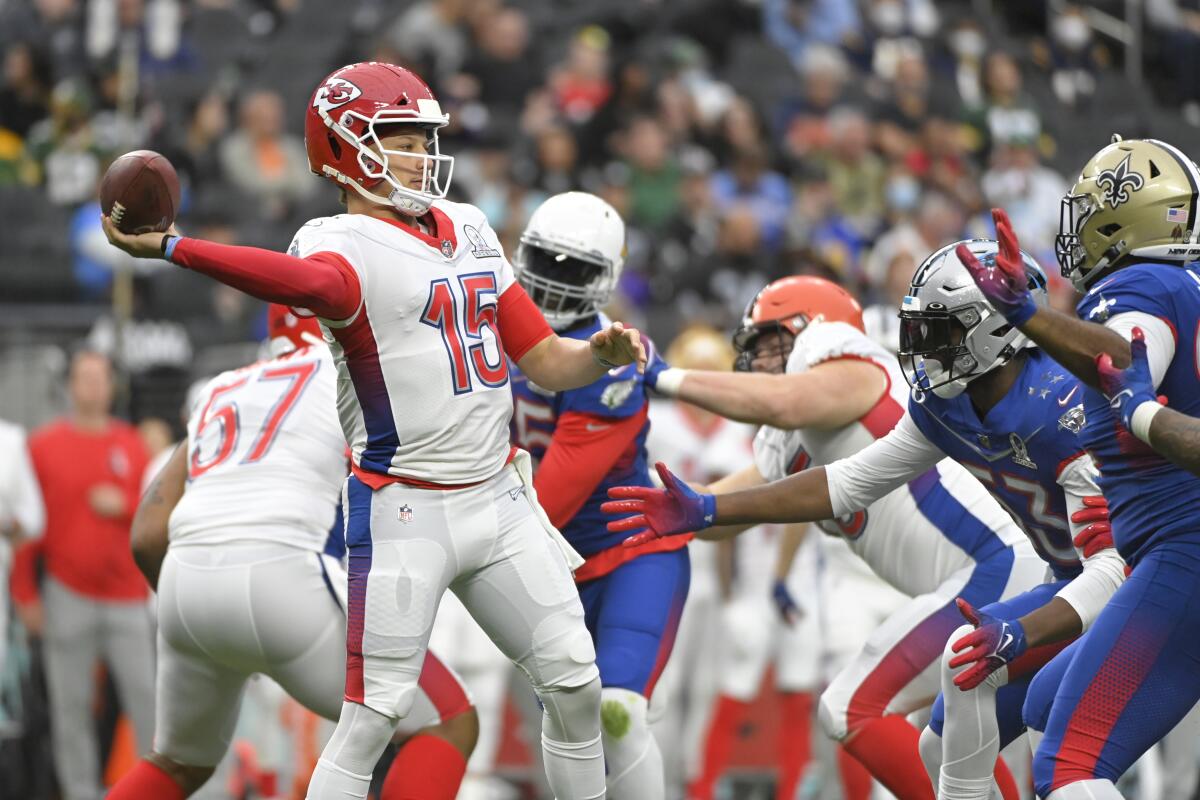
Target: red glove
<point>1097,535</point>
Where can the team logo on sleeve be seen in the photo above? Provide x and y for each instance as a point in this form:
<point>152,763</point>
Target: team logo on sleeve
<point>1118,182</point>
<point>615,394</point>
<point>479,245</point>
<point>1020,453</point>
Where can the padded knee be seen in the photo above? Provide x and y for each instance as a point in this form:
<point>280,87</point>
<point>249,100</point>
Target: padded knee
<point>572,714</point>
<point>562,655</point>
<point>359,739</point>
<point>623,725</point>
<point>632,757</point>
<point>831,713</point>
<point>930,747</point>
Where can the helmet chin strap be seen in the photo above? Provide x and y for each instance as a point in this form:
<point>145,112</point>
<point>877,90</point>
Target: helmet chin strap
<point>405,204</point>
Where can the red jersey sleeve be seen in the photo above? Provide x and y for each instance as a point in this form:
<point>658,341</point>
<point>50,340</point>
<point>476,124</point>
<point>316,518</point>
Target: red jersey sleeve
<point>521,323</point>
<point>583,450</point>
<point>324,283</point>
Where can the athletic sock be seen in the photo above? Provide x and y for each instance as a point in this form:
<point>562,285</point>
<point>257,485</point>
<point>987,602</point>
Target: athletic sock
<point>795,742</point>
<point>718,745</point>
<point>427,767</point>
<point>146,781</point>
<point>1005,781</point>
<point>888,748</point>
<point>856,781</point>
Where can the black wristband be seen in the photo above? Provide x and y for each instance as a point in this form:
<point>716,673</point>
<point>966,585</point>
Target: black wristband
<point>165,241</point>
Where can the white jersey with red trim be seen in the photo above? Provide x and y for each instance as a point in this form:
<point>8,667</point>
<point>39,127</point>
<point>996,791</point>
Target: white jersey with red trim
<point>265,456</point>
<point>918,534</point>
<point>423,385</point>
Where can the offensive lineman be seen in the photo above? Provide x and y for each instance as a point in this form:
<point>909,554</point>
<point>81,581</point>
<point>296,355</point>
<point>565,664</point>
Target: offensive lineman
<point>421,307</point>
<point>937,538</point>
<point>249,582</point>
<point>586,440</point>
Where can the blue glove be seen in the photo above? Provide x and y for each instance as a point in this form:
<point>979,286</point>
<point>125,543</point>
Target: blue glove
<point>1004,284</point>
<point>660,512</point>
<point>1128,388</point>
<point>785,603</point>
<point>993,644</point>
<point>655,364</point>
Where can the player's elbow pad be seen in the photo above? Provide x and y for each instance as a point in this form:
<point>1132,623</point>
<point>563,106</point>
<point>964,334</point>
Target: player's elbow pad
<point>1103,573</point>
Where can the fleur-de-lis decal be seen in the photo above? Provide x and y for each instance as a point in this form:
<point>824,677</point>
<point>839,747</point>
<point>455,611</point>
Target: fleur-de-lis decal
<point>1118,182</point>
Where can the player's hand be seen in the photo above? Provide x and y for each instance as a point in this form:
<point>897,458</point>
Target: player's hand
<point>656,513</point>
<point>138,245</point>
<point>616,346</point>
<point>107,500</point>
<point>993,644</point>
<point>1004,284</point>
<point>1128,388</point>
<point>785,604</point>
<point>33,617</point>
<point>1097,534</point>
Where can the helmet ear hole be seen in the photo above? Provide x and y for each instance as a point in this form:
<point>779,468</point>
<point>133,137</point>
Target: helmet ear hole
<point>1109,229</point>
<point>335,146</point>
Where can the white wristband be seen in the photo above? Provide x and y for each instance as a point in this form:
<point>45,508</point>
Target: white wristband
<point>1139,421</point>
<point>670,381</point>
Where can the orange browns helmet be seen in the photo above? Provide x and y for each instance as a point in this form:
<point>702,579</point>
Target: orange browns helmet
<point>286,331</point>
<point>790,304</point>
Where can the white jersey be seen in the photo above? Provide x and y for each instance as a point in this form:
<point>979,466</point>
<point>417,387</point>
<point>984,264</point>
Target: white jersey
<point>918,534</point>
<point>423,387</point>
<point>266,456</point>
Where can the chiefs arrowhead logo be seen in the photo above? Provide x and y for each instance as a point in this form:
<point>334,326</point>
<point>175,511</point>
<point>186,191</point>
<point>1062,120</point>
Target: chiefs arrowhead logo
<point>1118,182</point>
<point>335,92</point>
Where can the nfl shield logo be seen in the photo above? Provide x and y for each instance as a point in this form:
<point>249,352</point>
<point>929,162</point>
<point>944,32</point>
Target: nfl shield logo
<point>447,248</point>
<point>405,514</point>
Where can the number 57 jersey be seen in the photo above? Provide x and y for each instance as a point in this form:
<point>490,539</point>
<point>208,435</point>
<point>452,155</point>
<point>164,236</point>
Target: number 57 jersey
<point>266,455</point>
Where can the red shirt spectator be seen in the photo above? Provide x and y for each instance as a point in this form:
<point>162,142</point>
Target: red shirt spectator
<point>89,466</point>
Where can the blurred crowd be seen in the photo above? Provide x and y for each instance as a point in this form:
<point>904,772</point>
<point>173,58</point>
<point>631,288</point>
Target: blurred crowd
<point>742,140</point>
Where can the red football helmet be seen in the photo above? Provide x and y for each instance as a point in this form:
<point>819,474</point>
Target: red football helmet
<point>789,305</point>
<point>286,331</point>
<point>342,137</point>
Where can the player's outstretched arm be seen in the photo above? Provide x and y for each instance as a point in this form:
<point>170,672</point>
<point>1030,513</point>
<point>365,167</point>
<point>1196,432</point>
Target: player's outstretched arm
<point>148,534</point>
<point>1070,341</point>
<point>830,395</point>
<point>558,363</point>
<point>1131,393</point>
<point>322,283</point>
<point>677,509</point>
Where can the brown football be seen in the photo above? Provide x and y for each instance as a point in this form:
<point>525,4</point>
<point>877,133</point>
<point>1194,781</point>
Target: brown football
<point>140,192</point>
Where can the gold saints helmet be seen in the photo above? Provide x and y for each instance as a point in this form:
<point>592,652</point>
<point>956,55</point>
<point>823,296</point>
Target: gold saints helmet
<point>700,346</point>
<point>1136,198</point>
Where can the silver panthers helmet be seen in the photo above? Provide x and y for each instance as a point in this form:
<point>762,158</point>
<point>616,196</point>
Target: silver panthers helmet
<point>949,333</point>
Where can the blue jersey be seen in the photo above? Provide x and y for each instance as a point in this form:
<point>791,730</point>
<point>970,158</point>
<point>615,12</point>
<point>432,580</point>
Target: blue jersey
<point>1149,498</point>
<point>619,395</point>
<point>1024,450</point>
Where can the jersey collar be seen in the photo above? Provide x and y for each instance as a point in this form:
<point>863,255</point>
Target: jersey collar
<point>441,234</point>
